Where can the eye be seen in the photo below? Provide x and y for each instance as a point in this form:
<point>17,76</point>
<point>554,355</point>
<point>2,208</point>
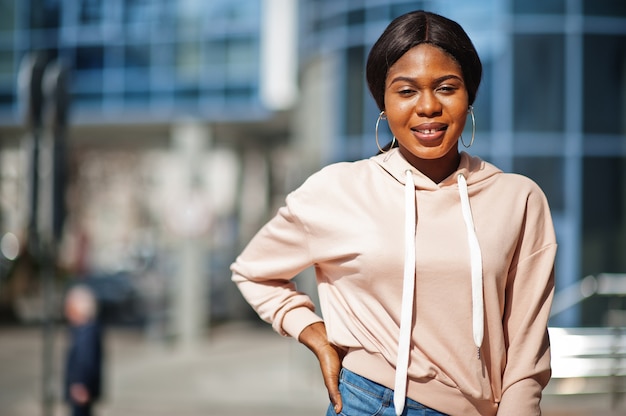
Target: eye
<point>447,88</point>
<point>406,91</point>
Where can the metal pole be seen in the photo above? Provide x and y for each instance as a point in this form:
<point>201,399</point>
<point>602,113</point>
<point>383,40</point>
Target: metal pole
<point>56,98</point>
<point>31,97</point>
<point>56,88</point>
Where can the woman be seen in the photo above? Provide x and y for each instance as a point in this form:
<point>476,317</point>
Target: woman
<point>434,268</point>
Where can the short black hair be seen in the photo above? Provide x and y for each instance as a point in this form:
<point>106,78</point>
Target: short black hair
<point>415,28</point>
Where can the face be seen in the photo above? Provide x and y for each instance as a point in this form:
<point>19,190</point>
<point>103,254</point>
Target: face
<point>426,104</point>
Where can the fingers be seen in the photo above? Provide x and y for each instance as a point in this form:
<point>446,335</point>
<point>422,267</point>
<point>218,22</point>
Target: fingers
<point>335,399</point>
<point>330,364</point>
<point>329,356</point>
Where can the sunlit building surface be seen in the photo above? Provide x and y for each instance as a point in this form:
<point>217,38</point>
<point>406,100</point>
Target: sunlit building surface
<point>191,119</point>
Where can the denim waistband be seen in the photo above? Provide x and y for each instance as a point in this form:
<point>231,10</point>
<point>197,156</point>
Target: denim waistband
<point>383,395</point>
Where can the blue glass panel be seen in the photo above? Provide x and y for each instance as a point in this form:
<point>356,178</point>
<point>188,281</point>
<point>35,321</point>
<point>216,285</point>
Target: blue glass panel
<point>604,84</point>
<point>539,83</point>
<point>539,6</point>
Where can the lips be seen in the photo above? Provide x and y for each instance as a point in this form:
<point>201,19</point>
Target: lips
<point>429,131</point>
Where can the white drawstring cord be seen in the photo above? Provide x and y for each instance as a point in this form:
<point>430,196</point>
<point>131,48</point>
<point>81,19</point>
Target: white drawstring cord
<point>476,264</point>
<point>408,289</point>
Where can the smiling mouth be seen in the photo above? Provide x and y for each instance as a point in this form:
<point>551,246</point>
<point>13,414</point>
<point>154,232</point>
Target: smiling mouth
<point>431,134</point>
<point>429,131</point>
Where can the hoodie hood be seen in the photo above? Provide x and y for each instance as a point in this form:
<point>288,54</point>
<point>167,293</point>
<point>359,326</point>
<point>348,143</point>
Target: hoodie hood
<point>474,170</point>
<point>471,170</point>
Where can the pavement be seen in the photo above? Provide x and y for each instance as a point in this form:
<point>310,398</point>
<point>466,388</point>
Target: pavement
<point>237,369</point>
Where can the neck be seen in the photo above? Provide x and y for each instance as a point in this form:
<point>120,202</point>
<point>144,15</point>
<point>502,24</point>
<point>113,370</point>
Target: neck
<point>435,169</point>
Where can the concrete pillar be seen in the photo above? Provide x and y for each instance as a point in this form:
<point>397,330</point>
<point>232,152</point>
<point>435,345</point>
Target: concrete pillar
<point>191,141</point>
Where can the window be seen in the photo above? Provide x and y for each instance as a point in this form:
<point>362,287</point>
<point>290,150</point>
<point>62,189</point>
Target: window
<point>327,23</point>
<point>238,94</point>
<point>139,98</point>
<point>539,6</point>
<point>402,8</point>
<point>215,62</point>
<point>189,18</point>
<point>611,8</point>
<point>87,99</point>
<point>604,84</point>
<point>6,98</point>
<point>136,79</point>
<point>356,17</point>
<point>137,55</point>
<point>6,65</point>
<point>188,60</point>
<point>89,58</point>
<point>483,102</point>
<point>44,14</point>
<point>7,16</point>
<point>187,95</point>
<point>244,11</point>
<point>377,14</point>
<point>90,12</point>
<point>88,74</point>
<point>354,89</point>
<point>548,173</point>
<point>604,225</point>
<point>539,83</point>
<point>241,59</point>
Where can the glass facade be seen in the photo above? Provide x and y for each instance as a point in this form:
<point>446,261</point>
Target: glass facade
<point>152,57</point>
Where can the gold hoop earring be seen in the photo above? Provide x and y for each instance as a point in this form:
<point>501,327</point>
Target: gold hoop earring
<point>382,116</point>
<point>470,110</point>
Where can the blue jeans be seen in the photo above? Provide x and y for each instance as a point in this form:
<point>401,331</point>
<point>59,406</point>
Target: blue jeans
<point>363,397</point>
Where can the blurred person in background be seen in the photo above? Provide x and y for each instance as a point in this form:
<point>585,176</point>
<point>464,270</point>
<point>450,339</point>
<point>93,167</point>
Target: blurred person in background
<point>434,267</point>
<point>84,361</point>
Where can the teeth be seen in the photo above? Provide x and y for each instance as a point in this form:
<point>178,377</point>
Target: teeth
<point>431,131</point>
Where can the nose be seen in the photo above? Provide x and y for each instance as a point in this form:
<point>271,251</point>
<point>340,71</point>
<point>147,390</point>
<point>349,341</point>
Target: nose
<point>427,104</point>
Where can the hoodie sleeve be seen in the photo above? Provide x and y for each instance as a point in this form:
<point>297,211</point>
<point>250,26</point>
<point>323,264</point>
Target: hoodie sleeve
<point>529,292</point>
<point>264,270</point>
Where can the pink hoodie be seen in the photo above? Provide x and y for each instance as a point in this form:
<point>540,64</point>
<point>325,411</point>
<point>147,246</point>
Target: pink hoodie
<point>349,222</point>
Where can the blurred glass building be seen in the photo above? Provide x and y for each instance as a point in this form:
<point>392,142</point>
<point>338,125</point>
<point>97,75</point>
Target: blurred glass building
<point>237,101</point>
<point>141,61</point>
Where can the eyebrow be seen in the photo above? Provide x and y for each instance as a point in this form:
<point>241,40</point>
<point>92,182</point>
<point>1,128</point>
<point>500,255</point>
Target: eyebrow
<point>435,81</point>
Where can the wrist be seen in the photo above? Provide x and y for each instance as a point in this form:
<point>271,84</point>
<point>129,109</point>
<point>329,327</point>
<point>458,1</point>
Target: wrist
<point>314,337</point>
